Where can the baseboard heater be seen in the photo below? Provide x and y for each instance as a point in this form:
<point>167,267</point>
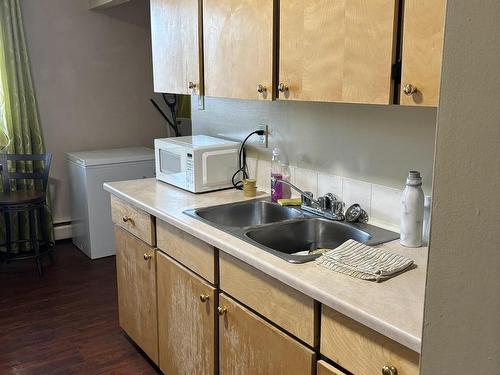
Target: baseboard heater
<point>63,230</point>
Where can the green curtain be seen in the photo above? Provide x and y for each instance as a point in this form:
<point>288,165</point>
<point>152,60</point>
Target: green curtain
<point>21,132</point>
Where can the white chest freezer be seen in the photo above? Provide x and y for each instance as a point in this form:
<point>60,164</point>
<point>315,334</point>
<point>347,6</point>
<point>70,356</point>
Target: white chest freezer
<point>93,231</point>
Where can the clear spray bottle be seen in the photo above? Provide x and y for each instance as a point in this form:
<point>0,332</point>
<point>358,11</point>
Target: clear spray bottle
<point>279,171</point>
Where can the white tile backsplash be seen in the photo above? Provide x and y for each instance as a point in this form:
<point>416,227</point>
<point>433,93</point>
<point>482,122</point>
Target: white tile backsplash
<point>252,167</point>
<point>381,202</point>
<point>328,183</point>
<point>354,191</point>
<point>263,175</point>
<point>293,193</point>
<point>386,203</point>
<point>306,180</point>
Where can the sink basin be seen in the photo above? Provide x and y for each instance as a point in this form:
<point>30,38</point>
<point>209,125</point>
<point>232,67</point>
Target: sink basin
<point>288,233</point>
<point>247,214</point>
<point>293,240</point>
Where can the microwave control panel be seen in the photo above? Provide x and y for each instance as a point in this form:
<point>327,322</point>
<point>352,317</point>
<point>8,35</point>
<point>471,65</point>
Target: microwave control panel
<point>189,171</point>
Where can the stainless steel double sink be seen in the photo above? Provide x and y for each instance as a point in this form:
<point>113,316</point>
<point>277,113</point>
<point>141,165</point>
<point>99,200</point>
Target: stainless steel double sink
<point>289,233</point>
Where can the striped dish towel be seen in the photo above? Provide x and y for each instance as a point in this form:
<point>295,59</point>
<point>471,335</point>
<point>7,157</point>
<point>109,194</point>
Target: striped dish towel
<point>364,262</point>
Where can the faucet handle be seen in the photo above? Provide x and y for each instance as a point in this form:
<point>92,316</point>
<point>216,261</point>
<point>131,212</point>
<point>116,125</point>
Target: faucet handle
<point>331,198</point>
<point>326,201</point>
<point>323,202</point>
<point>338,208</point>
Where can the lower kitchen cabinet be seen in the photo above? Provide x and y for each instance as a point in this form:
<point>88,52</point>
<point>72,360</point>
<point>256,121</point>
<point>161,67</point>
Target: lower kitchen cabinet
<point>361,350</point>
<point>136,277</point>
<point>289,309</point>
<point>186,320</point>
<point>170,306</point>
<point>327,369</point>
<point>250,345</point>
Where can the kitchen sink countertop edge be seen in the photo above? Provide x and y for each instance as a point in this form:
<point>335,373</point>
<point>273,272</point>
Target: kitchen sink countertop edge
<point>393,308</point>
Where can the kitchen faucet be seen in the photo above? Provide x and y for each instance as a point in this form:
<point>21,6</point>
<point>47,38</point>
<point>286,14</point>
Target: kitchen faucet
<point>328,205</point>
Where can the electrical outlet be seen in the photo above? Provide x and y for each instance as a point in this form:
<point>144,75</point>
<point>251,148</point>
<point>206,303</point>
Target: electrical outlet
<point>264,139</point>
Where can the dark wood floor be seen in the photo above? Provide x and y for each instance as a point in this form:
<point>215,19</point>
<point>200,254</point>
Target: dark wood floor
<point>65,322</point>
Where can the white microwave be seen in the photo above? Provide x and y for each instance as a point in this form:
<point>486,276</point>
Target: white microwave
<point>197,163</point>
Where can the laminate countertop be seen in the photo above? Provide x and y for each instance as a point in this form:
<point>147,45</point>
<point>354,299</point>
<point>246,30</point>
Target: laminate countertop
<point>393,308</point>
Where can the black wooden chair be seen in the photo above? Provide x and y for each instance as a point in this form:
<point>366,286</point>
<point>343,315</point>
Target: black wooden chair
<point>30,200</point>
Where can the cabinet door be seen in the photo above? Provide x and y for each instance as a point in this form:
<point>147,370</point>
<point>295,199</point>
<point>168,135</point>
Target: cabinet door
<point>361,350</point>
<point>238,48</point>
<point>422,51</point>
<point>136,276</point>
<point>186,324</point>
<point>337,50</point>
<point>249,345</point>
<point>175,37</point>
<point>326,369</point>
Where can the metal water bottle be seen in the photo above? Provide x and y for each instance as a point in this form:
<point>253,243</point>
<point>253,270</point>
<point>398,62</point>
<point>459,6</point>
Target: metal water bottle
<point>412,211</point>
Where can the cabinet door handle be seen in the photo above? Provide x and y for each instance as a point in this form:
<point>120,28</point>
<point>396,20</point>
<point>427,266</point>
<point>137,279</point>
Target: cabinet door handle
<point>282,88</point>
<point>389,370</point>
<point>204,298</point>
<point>127,219</point>
<point>261,89</point>
<point>221,310</point>
<point>191,85</point>
<point>148,256</point>
<point>409,89</point>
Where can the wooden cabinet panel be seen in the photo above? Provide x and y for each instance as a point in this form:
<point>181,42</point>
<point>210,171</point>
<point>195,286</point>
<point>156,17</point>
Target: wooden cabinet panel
<point>423,31</point>
<point>361,350</point>
<point>327,369</point>
<point>176,38</point>
<point>288,308</point>
<point>186,320</point>
<point>337,50</point>
<point>136,277</point>
<point>250,345</point>
<point>135,221</point>
<point>195,254</point>
<point>238,48</point>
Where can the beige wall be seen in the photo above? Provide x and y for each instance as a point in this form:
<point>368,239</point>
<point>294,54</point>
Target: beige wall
<point>378,144</point>
<point>93,78</point>
<point>462,308</point>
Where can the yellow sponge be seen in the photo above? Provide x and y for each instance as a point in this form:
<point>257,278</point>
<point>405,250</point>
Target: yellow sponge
<point>290,202</point>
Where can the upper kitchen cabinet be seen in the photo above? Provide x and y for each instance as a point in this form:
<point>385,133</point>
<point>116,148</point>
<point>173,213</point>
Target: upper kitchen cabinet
<point>423,30</point>
<point>337,50</point>
<point>238,48</point>
<point>176,40</point>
